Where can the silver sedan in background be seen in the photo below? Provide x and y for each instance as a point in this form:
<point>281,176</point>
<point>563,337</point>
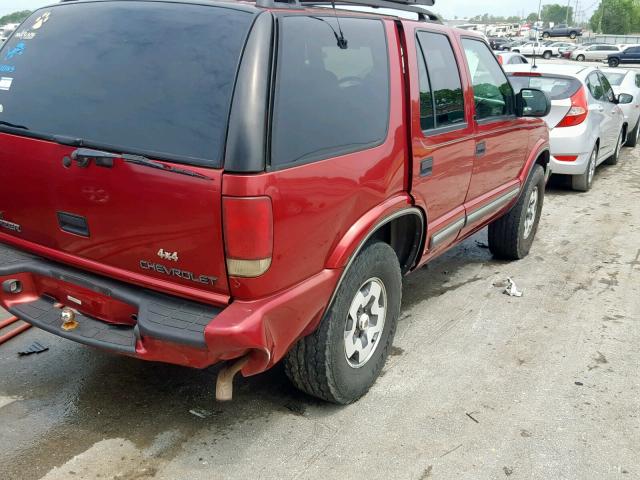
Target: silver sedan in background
<point>586,123</point>
<point>626,84</point>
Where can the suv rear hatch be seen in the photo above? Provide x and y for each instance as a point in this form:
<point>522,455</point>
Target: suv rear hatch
<point>147,86</point>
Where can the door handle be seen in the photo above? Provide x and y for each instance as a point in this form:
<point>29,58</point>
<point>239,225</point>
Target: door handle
<point>481,149</point>
<point>426,167</point>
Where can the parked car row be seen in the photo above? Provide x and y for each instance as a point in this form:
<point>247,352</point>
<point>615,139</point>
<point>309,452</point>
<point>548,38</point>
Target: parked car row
<point>593,114</point>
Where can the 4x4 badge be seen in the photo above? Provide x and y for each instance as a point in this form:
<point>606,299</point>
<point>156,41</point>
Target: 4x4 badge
<point>14,227</point>
<point>168,255</point>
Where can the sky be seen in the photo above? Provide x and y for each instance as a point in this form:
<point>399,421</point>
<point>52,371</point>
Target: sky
<point>448,8</point>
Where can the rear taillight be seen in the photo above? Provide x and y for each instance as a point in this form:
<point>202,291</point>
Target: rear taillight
<point>248,235</point>
<point>578,111</point>
<point>500,59</point>
<point>566,158</point>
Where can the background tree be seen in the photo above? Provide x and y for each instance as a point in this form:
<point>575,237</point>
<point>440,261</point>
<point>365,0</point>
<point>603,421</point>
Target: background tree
<point>617,17</point>
<point>556,14</point>
<point>15,17</point>
<point>532,17</point>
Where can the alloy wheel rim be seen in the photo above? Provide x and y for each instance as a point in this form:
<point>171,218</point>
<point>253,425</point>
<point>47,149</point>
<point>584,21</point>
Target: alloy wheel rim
<point>365,322</point>
<point>530,215</point>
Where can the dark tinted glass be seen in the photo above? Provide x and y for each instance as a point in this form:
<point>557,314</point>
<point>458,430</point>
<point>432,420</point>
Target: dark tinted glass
<point>444,78</point>
<point>329,101</point>
<point>427,119</point>
<point>491,89</point>
<point>606,86</point>
<point>143,77</point>
<point>557,88</point>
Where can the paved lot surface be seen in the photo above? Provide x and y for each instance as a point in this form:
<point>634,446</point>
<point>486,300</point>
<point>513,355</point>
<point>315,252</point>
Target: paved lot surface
<point>480,385</point>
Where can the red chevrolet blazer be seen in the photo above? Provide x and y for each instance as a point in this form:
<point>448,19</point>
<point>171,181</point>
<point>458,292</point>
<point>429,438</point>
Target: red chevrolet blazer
<point>203,181</point>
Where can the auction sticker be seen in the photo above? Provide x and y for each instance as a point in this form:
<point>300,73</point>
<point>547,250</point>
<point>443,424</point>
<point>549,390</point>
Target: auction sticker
<point>5,83</point>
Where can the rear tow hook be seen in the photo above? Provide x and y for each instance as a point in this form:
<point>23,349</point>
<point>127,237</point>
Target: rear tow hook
<point>224,383</point>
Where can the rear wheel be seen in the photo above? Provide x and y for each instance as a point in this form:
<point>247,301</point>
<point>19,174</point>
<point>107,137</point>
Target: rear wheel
<point>580,58</point>
<point>613,159</point>
<point>545,35</point>
<point>511,236</point>
<point>342,359</point>
<point>584,181</point>
<point>614,62</point>
<point>633,136</point>
<point>546,55</point>
<point>573,35</point>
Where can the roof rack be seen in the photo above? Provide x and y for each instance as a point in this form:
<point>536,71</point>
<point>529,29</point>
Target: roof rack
<point>413,6</point>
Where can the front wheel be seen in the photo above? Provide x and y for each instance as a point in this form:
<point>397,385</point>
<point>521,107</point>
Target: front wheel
<point>573,35</point>
<point>511,236</point>
<point>580,58</point>
<point>633,136</point>
<point>342,359</point>
<point>546,55</point>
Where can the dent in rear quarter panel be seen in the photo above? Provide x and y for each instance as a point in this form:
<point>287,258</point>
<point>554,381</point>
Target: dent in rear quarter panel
<point>315,205</point>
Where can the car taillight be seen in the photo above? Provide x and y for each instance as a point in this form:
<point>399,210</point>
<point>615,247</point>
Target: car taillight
<point>500,59</point>
<point>578,111</point>
<point>248,235</point>
<point>566,158</point>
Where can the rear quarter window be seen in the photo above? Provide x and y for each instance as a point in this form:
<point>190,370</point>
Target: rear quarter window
<point>329,101</point>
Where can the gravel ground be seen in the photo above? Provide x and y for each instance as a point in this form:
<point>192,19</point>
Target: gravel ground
<point>480,385</point>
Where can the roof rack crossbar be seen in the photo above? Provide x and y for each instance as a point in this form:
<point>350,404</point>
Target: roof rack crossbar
<point>414,6</point>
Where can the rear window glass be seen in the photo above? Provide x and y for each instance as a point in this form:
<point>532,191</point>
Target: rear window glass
<point>329,100</point>
<point>615,78</point>
<point>557,88</point>
<point>143,77</point>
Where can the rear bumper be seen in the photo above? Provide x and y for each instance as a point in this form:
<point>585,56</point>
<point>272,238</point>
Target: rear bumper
<point>571,141</point>
<point>134,321</point>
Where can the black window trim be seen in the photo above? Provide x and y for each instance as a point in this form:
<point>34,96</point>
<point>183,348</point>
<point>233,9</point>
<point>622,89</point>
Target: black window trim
<point>332,152</point>
<point>449,128</point>
<point>496,118</point>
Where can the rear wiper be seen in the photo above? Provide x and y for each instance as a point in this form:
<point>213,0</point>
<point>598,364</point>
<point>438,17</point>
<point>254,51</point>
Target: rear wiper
<point>83,157</point>
<point>13,125</point>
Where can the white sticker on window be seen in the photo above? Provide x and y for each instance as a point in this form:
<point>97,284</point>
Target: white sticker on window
<point>5,83</point>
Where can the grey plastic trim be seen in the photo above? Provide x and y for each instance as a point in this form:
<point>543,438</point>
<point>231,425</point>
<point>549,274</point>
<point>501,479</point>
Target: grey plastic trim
<point>492,206</point>
<point>447,232</point>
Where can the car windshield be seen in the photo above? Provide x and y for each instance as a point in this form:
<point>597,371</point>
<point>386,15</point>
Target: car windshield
<point>150,78</point>
<point>615,79</point>
<point>557,88</point>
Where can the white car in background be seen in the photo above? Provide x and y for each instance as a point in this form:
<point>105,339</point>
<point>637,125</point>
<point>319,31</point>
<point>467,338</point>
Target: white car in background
<point>586,123</point>
<point>511,58</point>
<point>591,53</point>
<point>626,84</point>
<point>538,49</point>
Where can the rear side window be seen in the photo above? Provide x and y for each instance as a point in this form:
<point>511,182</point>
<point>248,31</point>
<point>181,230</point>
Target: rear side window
<point>442,78</point>
<point>593,82</point>
<point>638,81</point>
<point>492,92</point>
<point>329,101</point>
<point>141,77</point>
<point>615,78</point>
<point>557,88</point>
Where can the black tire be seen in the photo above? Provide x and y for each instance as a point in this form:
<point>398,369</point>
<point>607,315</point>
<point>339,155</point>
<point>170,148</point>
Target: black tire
<point>573,35</point>
<point>547,55</point>
<point>614,62</point>
<point>633,136</point>
<point>613,159</point>
<point>545,35</point>
<point>580,58</point>
<point>317,364</point>
<point>584,181</point>
<point>507,239</point>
